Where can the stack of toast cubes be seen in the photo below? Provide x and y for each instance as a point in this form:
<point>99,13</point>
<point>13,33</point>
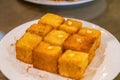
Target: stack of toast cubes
<point>58,45</point>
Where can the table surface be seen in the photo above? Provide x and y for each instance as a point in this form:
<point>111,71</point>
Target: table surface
<point>105,13</point>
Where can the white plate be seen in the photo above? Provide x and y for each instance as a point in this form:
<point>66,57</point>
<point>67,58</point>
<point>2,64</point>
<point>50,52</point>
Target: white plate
<point>14,69</point>
<point>58,3</point>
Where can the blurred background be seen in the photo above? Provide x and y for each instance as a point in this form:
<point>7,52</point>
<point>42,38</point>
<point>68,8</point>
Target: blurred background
<point>105,13</point>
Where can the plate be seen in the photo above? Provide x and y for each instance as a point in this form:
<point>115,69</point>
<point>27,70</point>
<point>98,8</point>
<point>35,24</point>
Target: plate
<point>58,3</point>
<point>105,66</point>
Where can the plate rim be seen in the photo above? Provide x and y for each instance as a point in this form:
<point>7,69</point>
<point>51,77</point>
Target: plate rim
<point>52,3</point>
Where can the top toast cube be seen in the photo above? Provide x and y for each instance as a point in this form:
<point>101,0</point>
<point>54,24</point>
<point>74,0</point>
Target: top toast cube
<point>39,29</point>
<point>71,26</point>
<point>52,19</point>
<point>85,31</point>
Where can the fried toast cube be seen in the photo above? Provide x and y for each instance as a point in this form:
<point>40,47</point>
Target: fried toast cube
<point>79,43</point>
<point>45,57</point>
<point>73,64</point>
<point>56,37</point>
<point>71,26</point>
<point>52,19</point>
<point>25,45</point>
<point>39,29</point>
<point>91,33</point>
<point>85,31</point>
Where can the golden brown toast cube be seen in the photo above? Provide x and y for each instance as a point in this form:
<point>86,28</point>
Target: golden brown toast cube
<point>85,31</point>
<point>45,57</point>
<point>92,33</point>
<point>71,26</point>
<point>73,64</point>
<point>79,43</point>
<point>25,45</point>
<point>39,29</point>
<point>52,19</point>
<point>56,37</point>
